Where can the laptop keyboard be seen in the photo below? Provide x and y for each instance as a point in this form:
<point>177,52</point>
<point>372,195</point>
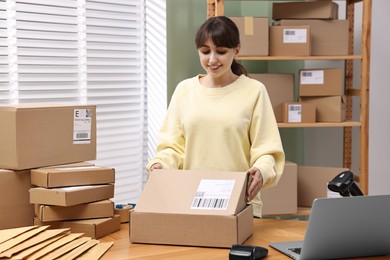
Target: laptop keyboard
<point>296,250</point>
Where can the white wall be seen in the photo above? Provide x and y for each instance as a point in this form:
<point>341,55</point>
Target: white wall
<point>379,125</point>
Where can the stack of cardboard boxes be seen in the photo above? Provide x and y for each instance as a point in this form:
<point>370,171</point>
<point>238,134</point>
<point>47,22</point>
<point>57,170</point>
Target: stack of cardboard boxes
<point>60,138</point>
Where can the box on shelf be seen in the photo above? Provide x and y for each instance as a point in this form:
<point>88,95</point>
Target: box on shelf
<point>328,109</point>
<point>282,198</point>
<point>210,211</point>
<point>305,10</point>
<point>50,177</point>
<point>313,183</point>
<point>280,88</point>
<point>296,112</point>
<point>321,82</point>
<point>98,209</point>
<point>254,34</point>
<point>289,41</point>
<point>69,196</point>
<point>328,37</point>
<point>94,228</point>
<point>38,135</point>
<point>16,210</point>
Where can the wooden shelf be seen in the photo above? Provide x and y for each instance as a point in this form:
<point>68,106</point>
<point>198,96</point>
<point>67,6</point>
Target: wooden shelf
<point>336,124</point>
<point>345,57</point>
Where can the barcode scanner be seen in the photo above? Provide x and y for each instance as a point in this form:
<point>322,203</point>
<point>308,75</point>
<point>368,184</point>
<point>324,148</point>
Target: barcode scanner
<point>247,252</point>
<point>344,184</point>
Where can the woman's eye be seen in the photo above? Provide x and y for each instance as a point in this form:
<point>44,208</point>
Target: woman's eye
<point>205,51</point>
<point>221,52</point>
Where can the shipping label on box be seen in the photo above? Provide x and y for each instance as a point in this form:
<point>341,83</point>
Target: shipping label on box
<point>254,35</point>
<point>320,82</point>
<point>210,201</point>
<point>290,41</point>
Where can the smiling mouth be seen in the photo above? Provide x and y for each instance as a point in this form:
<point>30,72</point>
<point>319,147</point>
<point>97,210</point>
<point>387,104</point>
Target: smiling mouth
<point>215,67</point>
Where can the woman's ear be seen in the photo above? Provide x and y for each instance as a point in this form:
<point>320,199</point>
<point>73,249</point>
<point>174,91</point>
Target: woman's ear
<point>237,50</point>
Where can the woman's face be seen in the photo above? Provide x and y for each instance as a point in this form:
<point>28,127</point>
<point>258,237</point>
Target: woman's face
<point>216,61</point>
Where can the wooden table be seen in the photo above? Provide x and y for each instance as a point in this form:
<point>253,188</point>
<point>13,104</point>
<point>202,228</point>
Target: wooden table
<point>264,232</point>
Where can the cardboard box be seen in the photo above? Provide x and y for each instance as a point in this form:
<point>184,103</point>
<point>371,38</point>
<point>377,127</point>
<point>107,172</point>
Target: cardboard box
<point>69,196</point>
<point>99,209</point>
<point>72,176</point>
<point>289,41</point>
<point>328,37</point>
<point>211,210</point>
<point>295,112</point>
<point>280,88</point>
<point>16,210</point>
<point>328,109</point>
<point>305,10</point>
<point>254,34</point>
<point>37,135</point>
<point>313,183</point>
<point>320,82</point>
<point>282,198</point>
<point>94,228</point>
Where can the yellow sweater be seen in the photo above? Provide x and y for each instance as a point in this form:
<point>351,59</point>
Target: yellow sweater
<point>223,129</point>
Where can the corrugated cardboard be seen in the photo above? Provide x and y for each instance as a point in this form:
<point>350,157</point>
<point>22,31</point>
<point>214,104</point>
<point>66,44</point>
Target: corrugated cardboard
<point>280,88</point>
<point>328,109</point>
<point>69,196</point>
<point>289,41</point>
<point>282,198</point>
<point>313,183</point>
<point>321,82</point>
<point>94,228</point>
<point>324,9</point>
<point>39,135</point>
<point>296,112</point>
<point>163,217</point>
<point>254,35</point>
<point>16,210</point>
<point>99,209</point>
<point>328,37</point>
<point>72,176</point>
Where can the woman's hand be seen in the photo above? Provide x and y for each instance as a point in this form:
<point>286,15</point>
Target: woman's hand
<point>154,166</point>
<point>255,183</point>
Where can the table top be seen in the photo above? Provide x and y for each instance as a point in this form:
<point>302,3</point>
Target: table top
<point>265,231</point>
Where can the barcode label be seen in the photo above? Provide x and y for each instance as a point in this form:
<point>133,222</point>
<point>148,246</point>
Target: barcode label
<point>82,122</point>
<point>294,113</point>
<point>294,35</point>
<point>307,74</point>
<point>213,194</point>
<point>312,77</point>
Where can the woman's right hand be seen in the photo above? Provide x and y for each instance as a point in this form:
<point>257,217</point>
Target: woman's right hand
<point>154,166</point>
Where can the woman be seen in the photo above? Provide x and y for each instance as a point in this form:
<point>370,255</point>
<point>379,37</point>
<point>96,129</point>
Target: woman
<point>222,120</point>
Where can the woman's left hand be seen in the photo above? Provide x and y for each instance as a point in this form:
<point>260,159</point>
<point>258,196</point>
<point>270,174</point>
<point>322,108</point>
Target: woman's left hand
<point>255,183</point>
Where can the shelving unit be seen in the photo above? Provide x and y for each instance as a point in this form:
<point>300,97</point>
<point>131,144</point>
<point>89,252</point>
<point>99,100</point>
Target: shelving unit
<point>216,8</point>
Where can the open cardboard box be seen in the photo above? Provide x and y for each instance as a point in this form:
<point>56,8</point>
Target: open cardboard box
<point>194,208</point>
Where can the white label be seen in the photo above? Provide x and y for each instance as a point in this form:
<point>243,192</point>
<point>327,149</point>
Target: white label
<point>213,194</point>
<point>82,126</point>
<point>315,77</point>
<point>295,113</point>
<point>294,36</point>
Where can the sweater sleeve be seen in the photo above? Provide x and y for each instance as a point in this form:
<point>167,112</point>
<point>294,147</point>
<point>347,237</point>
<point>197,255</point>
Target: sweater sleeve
<point>170,149</point>
<point>267,152</point>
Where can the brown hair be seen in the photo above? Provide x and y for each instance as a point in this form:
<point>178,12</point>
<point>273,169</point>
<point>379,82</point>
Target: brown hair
<point>223,32</point>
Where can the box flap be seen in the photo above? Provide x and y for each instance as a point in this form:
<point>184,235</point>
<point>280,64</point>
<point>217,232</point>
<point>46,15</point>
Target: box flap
<point>177,191</point>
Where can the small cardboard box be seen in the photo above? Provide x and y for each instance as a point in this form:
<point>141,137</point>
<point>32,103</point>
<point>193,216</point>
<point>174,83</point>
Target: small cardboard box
<point>313,183</point>
<point>94,228</point>
<point>211,210</point>
<point>320,82</point>
<point>69,196</point>
<point>38,135</point>
<point>99,209</point>
<point>328,109</point>
<point>324,9</point>
<point>254,35</point>
<point>280,88</point>
<point>295,112</point>
<point>289,41</point>
<point>16,210</point>
<point>328,37</point>
<point>71,176</point>
<point>282,198</point>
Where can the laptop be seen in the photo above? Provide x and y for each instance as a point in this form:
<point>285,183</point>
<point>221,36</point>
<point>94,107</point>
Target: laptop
<point>343,227</point>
